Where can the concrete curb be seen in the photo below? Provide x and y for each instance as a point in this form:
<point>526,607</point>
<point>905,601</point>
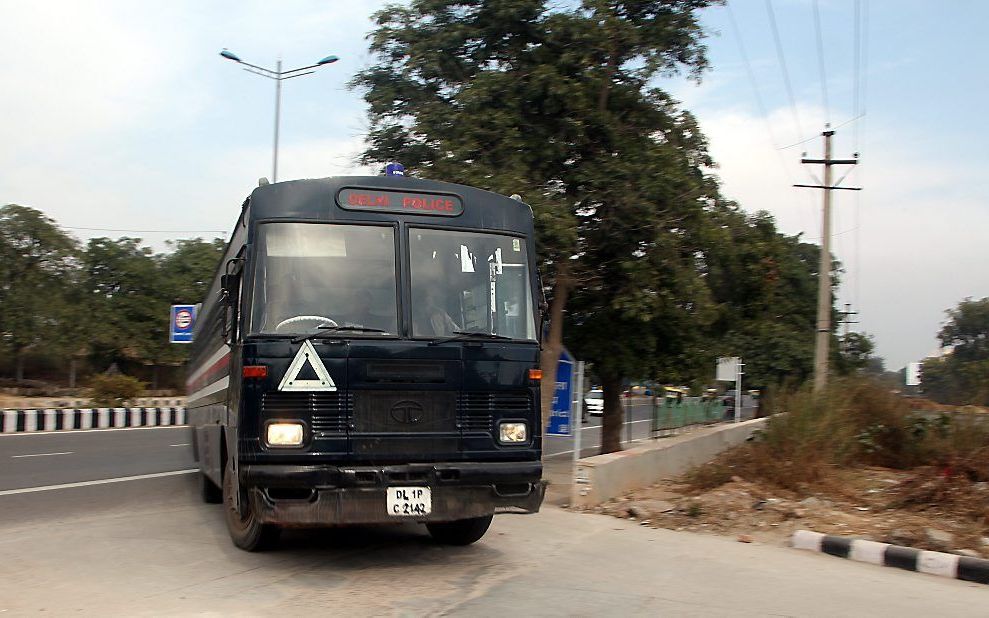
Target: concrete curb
<point>884,554</point>
<point>50,419</point>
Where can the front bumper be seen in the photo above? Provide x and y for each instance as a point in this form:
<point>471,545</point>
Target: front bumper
<point>323,495</point>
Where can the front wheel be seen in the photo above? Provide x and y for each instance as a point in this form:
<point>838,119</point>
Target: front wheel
<point>460,532</point>
<point>246,531</point>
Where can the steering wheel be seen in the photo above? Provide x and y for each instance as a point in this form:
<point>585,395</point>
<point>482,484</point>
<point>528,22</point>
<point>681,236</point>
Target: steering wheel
<point>305,318</point>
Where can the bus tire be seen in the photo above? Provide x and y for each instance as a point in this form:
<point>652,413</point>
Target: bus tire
<point>210,493</point>
<point>460,532</point>
<point>245,530</point>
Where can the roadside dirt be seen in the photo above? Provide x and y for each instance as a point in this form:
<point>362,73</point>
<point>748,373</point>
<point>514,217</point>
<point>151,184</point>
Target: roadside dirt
<point>925,508</point>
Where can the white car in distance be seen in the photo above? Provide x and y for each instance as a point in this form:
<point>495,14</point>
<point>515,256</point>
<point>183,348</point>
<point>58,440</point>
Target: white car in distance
<point>594,402</point>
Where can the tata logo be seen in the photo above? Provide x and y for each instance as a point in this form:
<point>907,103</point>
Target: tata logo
<point>407,412</point>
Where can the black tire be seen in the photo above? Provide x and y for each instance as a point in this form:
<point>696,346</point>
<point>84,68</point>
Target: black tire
<point>245,530</point>
<point>210,493</point>
<point>460,532</point>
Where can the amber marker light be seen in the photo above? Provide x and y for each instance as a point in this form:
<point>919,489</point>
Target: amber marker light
<point>535,375</point>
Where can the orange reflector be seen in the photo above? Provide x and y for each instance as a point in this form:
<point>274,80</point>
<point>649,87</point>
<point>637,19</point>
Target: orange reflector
<point>535,374</point>
<point>255,371</point>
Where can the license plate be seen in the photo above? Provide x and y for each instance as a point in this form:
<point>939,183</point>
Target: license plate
<point>409,501</point>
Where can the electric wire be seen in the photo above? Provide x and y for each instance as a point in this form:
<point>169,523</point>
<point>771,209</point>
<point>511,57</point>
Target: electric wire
<point>834,128</point>
<point>820,62</point>
<point>782,60</point>
<point>861,76</point>
<point>755,89</point>
<point>754,84</point>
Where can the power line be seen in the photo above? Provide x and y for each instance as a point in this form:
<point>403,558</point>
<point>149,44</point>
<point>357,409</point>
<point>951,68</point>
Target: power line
<point>782,59</point>
<point>755,89</point>
<point>820,62</point>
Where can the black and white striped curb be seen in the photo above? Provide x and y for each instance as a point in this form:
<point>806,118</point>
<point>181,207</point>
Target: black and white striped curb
<point>885,554</point>
<point>65,419</point>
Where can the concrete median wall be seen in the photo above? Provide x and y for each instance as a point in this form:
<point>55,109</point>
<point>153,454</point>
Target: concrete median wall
<point>603,477</point>
<point>27,421</point>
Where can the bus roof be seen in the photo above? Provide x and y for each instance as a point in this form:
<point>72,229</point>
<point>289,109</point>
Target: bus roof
<point>387,198</point>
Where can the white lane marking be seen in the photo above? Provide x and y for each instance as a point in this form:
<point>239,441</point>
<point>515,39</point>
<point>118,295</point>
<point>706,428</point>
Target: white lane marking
<point>119,479</point>
<point>182,444</point>
<point>62,432</point>
<point>42,454</point>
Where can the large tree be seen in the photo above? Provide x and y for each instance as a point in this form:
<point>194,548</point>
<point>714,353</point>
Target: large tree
<point>556,102</point>
<point>961,377</point>
<point>38,264</point>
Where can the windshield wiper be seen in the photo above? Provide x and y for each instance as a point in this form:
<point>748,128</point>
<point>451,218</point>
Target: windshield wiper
<point>463,335</point>
<point>326,329</point>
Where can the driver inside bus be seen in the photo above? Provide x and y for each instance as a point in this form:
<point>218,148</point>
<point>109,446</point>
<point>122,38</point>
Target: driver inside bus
<point>432,319</point>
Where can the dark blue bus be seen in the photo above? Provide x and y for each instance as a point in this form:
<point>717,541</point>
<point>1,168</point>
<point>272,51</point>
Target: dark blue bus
<point>368,353</point>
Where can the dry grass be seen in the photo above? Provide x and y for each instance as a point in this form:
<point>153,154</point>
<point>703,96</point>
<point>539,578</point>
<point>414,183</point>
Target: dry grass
<point>855,423</point>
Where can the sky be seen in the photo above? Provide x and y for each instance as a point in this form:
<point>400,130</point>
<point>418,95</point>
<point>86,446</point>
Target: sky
<point>122,116</point>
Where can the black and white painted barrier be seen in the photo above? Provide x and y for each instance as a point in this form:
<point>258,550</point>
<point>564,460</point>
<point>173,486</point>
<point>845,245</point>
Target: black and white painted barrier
<point>885,554</point>
<point>66,419</point>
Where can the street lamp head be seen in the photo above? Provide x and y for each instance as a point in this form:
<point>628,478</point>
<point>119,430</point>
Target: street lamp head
<point>229,55</point>
<point>328,60</point>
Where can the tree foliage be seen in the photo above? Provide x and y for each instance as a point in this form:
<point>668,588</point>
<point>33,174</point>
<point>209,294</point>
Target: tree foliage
<point>107,302</point>
<point>961,377</point>
<point>557,103</point>
<point>36,261</point>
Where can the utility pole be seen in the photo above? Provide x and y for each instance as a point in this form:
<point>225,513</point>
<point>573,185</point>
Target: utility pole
<point>824,266</point>
<point>844,317</point>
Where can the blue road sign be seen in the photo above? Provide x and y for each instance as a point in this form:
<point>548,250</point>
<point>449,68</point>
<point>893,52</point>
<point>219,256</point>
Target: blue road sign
<point>183,319</point>
<point>560,420</point>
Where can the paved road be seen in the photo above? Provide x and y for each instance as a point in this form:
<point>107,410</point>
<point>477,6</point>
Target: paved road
<point>38,459</point>
<point>150,548</point>
<point>590,442</point>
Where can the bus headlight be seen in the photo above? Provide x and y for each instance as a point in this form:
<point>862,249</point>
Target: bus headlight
<point>512,433</point>
<point>284,434</point>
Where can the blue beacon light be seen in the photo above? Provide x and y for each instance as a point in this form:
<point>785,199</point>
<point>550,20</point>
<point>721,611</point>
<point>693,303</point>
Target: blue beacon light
<point>394,169</point>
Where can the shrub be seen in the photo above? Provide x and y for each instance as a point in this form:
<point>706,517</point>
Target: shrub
<point>114,390</point>
<point>854,422</point>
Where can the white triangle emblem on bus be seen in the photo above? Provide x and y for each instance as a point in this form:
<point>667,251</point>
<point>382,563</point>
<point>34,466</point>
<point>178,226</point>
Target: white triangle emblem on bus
<point>307,356</point>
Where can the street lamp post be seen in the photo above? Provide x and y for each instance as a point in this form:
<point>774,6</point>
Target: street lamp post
<point>278,75</point>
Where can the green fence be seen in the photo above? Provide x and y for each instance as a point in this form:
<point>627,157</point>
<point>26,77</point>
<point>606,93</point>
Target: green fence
<point>670,415</point>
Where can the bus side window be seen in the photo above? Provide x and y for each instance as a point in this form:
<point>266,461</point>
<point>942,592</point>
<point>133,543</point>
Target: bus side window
<point>230,282</point>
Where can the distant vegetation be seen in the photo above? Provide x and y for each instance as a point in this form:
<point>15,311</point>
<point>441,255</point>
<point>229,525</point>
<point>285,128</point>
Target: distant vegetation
<point>65,306</point>
<point>962,376</point>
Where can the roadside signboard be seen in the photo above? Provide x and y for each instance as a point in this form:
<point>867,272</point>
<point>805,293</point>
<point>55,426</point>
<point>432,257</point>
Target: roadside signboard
<point>561,419</point>
<point>183,319</point>
<point>727,368</point>
<point>913,374</point>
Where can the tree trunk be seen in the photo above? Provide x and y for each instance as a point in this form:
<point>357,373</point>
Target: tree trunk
<point>553,345</point>
<point>72,372</point>
<point>611,423</point>
<point>19,365</point>
<point>154,377</point>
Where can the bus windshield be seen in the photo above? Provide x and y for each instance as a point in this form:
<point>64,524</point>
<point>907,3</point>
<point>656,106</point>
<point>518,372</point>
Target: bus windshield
<point>314,274</point>
<point>470,282</point>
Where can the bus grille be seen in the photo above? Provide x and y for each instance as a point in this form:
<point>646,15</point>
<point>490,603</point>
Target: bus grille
<point>477,409</point>
<point>326,412</point>
<point>405,411</point>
